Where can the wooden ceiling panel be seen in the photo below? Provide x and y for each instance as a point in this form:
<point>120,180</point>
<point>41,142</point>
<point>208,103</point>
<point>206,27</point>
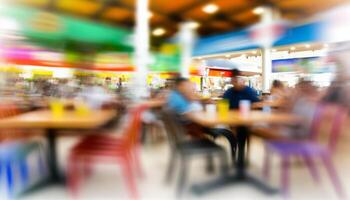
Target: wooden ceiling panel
<point>299,3</point>
<point>168,13</point>
<point>245,16</point>
<point>197,14</point>
<point>82,7</point>
<point>34,2</point>
<point>158,19</point>
<point>116,13</point>
<point>129,3</point>
<point>168,6</point>
<point>226,6</point>
<point>220,25</point>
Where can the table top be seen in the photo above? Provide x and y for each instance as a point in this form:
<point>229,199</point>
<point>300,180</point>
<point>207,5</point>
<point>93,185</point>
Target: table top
<point>234,118</point>
<point>274,104</point>
<point>70,119</point>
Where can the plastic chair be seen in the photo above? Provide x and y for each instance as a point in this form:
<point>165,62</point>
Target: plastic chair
<point>13,153</point>
<point>310,149</point>
<point>187,149</point>
<point>95,148</point>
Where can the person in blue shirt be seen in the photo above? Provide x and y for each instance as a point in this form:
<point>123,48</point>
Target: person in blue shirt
<point>184,98</point>
<point>239,91</point>
<point>184,102</point>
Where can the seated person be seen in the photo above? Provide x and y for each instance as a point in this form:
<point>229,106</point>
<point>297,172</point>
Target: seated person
<point>302,102</point>
<point>184,101</point>
<point>239,91</point>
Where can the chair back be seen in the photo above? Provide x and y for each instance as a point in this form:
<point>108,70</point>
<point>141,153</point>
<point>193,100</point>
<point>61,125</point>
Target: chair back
<point>8,110</point>
<point>174,129</point>
<point>133,127</point>
<point>336,116</point>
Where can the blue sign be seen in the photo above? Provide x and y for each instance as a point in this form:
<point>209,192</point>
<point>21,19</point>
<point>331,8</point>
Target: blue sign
<point>238,41</point>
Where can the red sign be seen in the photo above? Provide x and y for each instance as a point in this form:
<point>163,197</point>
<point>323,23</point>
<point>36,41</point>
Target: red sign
<point>220,73</point>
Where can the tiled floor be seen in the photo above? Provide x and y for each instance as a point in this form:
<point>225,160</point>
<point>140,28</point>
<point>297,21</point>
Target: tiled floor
<point>107,182</point>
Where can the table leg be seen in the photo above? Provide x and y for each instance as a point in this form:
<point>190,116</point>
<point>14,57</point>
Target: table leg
<point>54,176</point>
<point>242,134</point>
<point>241,176</point>
<point>52,156</point>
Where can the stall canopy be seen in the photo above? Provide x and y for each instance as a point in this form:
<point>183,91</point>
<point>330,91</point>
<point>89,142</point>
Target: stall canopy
<point>242,40</point>
<point>60,31</point>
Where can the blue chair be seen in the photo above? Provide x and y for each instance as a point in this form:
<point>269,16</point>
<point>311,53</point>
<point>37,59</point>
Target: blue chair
<point>13,155</point>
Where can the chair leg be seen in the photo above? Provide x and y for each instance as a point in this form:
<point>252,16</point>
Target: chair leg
<point>130,177</point>
<point>9,178</point>
<point>87,171</point>
<point>247,160</point>
<point>183,177</point>
<point>333,175</point>
<point>73,176</point>
<point>42,163</point>
<point>266,165</point>
<point>312,168</point>
<point>171,165</point>
<point>224,163</point>
<point>210,164</point>
<point>285,176</point>
<point>23,167</point>
<point>137,161</point>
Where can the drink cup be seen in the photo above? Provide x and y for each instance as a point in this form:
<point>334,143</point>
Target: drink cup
<point>244,107</point>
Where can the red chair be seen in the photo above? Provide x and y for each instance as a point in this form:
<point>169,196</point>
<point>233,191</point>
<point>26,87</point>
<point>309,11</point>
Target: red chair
<point>95,148</point>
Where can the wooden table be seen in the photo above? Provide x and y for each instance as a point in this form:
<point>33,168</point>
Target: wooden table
<point>43,119</point>
<point>242,124</point>
<point>234,118</point>
<point>272,104</point>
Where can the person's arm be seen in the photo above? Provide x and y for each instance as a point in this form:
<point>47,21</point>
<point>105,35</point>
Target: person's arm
<point>253,96</point>
<point>226,94</point>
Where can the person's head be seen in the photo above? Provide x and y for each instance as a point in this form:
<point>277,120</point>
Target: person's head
<point>306,88</point>
<point>277,84</point>
<point>236,80</point>
<point>185,87</point>
<point>108,80</point>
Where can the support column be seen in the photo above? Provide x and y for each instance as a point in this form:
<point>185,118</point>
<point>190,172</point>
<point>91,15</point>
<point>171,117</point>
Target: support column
<point>266,69</point>
<point>267,18</point>
<point>141,57</point>
<point>187,39</point>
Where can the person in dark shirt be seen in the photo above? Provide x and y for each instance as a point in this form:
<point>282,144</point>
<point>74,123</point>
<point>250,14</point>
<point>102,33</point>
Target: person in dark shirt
<point>239,91</point>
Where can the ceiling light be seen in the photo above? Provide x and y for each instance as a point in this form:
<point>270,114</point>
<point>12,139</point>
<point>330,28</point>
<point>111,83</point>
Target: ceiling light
<point>210,8</point>
<point>307,45</point>
<point>227,56</point>
<point>259,10</point>
<point>254,52</point>
<point>150,14</point>
<point>193,25</point>
<point>158,32</point>
<point>292,48</point>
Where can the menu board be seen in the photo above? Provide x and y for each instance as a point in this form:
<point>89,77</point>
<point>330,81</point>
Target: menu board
<point>303,65</point>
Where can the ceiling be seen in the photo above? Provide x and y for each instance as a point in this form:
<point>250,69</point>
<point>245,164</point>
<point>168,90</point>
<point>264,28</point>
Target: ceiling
<point>167,14</point>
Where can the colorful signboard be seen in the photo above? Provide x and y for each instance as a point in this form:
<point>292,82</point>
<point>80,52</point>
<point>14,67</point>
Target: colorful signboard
<point>303,65</point>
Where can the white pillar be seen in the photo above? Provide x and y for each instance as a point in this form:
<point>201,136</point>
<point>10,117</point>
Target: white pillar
<point>187,38</point>
<point>141,57</point>
<point>266,69</point>
<point>267,19</point>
